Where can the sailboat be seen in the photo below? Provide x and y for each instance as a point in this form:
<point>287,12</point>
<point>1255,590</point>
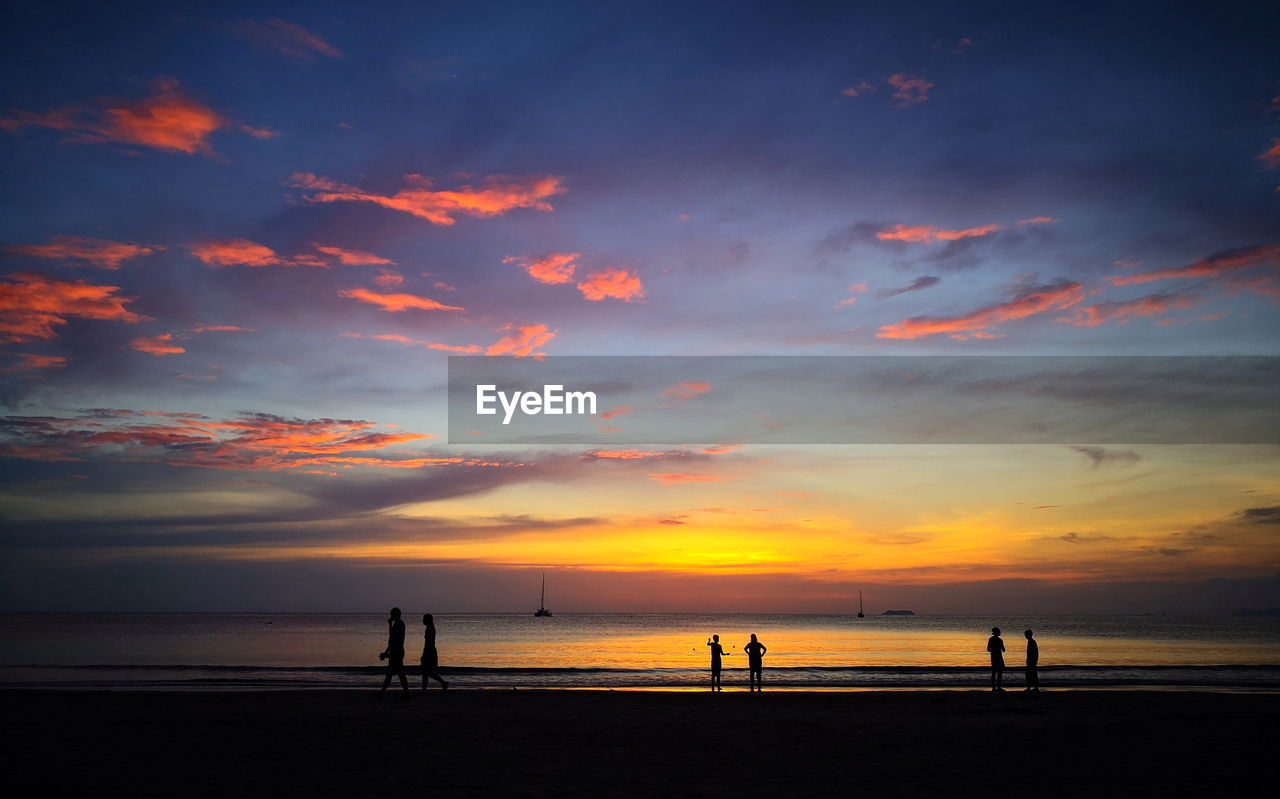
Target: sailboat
<point>860,613</point>
<point>542,603</point>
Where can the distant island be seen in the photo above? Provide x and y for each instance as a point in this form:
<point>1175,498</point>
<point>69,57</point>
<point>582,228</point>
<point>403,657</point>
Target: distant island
<point>1252,612</point>
<point>898,613</point>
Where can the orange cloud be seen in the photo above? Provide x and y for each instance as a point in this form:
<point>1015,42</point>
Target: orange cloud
<point>497,195</point>
<point>929,234</point>
<point>1038,220</point>
<point>1271,156</point>
<point>242,252</point>
<point>162,344</point>
<point>96,252</point>
<point>622,284</point>
<point>909,89</point>
<point>353,257</point>
<point>618,411</point>
<point>165,121</point>
<point>1033,300</point>
<point>675,478</point>
<point>395,303</point>
<point>1212,266</point>
<point>388,277</point>
<point>32,305</point>
<point>522,340</point>
<point>1122,310</point>
<point>554,267</point>
<point>625,454</point>
<point>286,38</point>
<point>28,362</point>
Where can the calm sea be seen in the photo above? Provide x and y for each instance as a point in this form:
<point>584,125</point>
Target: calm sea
<point>197,651</point>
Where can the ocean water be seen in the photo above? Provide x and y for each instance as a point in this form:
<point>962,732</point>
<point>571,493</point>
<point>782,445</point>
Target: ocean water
<point>200,651</point>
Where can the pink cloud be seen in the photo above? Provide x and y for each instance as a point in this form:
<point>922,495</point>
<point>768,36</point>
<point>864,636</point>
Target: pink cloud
<point>242,252</point>
<point>495,196</point>
<point>683,392</point>
<point>353,257</point>
<point>1211,266</point>
<point>929,234</point>
<point>1123,310</point>
<point>162,344</point>
<point>1029,302</point>
<point>32,306</point>
<point>287,38</point>
<point>909,90</point>
<point>29,362</point>
<point>1271,155</point>
<point>676,478</point>
<point>431,345</point>
<point>862,87</point>
<point>96,252</point>
<point>165,121</point>
<point>622,284</point>
<point>395,303</point>
<point>555,267</point>
<point>521,340</point>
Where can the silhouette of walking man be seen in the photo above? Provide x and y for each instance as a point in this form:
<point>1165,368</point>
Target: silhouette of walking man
<point>995,645</point>
<point>1033,660</point>
<point>394,654</point>
<point>755,661</point>
<point>716,651</point>
<point>430,657</point>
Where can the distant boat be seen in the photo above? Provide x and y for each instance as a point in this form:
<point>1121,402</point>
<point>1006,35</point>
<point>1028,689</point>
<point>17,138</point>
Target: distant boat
<point>860,613</point>
<point>542,603</point>
<point>898,613</point>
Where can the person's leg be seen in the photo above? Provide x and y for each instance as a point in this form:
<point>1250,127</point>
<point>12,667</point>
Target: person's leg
<point>386,682</point>
<point>435,675</point>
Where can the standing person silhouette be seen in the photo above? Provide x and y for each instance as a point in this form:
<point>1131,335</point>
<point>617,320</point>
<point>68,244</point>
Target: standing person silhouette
<point>755,661</point>
<point>1033,660</point>
<point>716,651</point>
<point>995,645</point>
<point>394,654</point>
<point>430,657</point>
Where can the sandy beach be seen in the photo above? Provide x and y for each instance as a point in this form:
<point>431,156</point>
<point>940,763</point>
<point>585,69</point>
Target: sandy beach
<point>579,743</point>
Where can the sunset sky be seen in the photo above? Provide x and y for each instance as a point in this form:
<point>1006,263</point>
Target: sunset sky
<point>239,243</point>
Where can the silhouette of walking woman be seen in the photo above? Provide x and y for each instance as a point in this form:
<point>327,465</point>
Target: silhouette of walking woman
<point>995,645</point>
<point>1033,660</point>
<point>394,654</point>
<point>755,661</point>
<point>431,658</point>
<point>716,651</point>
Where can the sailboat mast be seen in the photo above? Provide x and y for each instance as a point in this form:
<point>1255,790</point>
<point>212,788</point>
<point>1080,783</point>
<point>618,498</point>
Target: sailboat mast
<point>542,602</point>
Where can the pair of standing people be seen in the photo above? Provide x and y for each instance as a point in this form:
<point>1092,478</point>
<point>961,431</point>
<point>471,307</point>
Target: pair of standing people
<point>394,654</point>
<point>755,661</point>
<point>995,645</point>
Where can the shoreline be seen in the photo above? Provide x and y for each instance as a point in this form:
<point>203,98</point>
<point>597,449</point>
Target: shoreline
<point>639,743</point>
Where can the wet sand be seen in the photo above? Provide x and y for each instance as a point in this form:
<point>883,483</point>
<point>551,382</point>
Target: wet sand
<point>600,743</point>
